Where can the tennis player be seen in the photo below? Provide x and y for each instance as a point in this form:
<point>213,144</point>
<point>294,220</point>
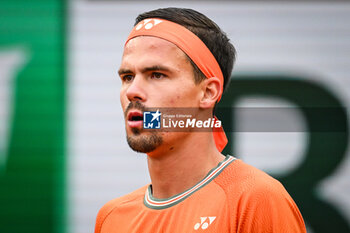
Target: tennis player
<point>179,58</point>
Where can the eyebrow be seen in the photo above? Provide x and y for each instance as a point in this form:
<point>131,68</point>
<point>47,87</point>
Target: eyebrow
<point>145,70</point>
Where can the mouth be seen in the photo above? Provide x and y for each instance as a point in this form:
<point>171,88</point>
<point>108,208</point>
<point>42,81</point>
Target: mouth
<point>135,118</point>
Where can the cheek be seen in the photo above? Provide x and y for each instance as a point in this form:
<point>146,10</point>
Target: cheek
<point>174,100</point>
<point>123,99</point>
<point>188,95</point>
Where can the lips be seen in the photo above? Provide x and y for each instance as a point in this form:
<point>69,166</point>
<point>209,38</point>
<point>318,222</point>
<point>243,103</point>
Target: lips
<point>135,118</point>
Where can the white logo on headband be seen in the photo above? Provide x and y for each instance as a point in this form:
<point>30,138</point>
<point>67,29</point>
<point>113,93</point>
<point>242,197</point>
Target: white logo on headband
<point>148,24</point>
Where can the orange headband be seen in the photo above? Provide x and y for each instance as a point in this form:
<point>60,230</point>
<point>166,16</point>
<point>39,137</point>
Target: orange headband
<point>191,45</point>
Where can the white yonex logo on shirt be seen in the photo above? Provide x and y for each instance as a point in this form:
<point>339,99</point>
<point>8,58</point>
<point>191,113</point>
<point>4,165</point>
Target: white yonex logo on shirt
<point>204,224</point>
<point>148,23</point>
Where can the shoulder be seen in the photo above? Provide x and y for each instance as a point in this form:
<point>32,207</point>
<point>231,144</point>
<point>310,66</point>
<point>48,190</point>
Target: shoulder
<point>114,204</point>
<point>240,177</point>
<point>259,202</point>
<point>242,181</point>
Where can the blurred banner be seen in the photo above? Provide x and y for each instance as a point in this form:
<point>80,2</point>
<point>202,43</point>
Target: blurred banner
<point>32,108</point>
<point>63,152</point>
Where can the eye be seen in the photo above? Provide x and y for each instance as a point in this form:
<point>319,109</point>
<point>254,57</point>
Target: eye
<point>157,75</point>
<point>127,78</point>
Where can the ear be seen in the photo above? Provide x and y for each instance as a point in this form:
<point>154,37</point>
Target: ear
<point>211,92</point>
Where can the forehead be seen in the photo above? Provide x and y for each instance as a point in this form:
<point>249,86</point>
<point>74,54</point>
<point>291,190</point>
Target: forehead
<point>152,48</point>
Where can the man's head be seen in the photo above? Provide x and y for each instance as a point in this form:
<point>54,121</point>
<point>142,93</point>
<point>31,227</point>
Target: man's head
<point>208,31</point>
<point>157,73</point>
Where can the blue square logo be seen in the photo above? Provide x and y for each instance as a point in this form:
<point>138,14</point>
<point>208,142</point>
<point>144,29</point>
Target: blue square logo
<point>151,120</point>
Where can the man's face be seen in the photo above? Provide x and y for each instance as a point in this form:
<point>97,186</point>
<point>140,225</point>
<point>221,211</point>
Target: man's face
<point>155,74</point>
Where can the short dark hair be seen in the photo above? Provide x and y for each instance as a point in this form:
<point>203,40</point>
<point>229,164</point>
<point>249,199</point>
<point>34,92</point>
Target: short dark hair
<point>209,32</point>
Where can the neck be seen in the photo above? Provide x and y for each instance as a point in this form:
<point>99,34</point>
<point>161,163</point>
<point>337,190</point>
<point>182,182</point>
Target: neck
<point>177,167</point>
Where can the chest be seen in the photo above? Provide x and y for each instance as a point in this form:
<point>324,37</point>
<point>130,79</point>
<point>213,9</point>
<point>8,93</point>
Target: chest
<point>212,217</point>
<point>206,209</point>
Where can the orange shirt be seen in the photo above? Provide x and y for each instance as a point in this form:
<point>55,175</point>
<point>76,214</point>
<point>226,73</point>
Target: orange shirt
<point>233,197</point>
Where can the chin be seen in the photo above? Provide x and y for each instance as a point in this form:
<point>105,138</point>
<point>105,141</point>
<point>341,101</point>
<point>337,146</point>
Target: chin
<point>144,143</point>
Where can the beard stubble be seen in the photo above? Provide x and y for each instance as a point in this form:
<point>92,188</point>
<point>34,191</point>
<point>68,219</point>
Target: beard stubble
<point>139,140</point>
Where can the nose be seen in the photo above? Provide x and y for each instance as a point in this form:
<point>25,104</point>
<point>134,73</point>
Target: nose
<point>136,90</point>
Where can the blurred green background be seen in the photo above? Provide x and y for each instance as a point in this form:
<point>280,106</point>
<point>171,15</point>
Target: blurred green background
<point>32,51</point>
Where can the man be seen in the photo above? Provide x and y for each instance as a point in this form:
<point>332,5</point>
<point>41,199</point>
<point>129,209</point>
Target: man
<point>179,58</point>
